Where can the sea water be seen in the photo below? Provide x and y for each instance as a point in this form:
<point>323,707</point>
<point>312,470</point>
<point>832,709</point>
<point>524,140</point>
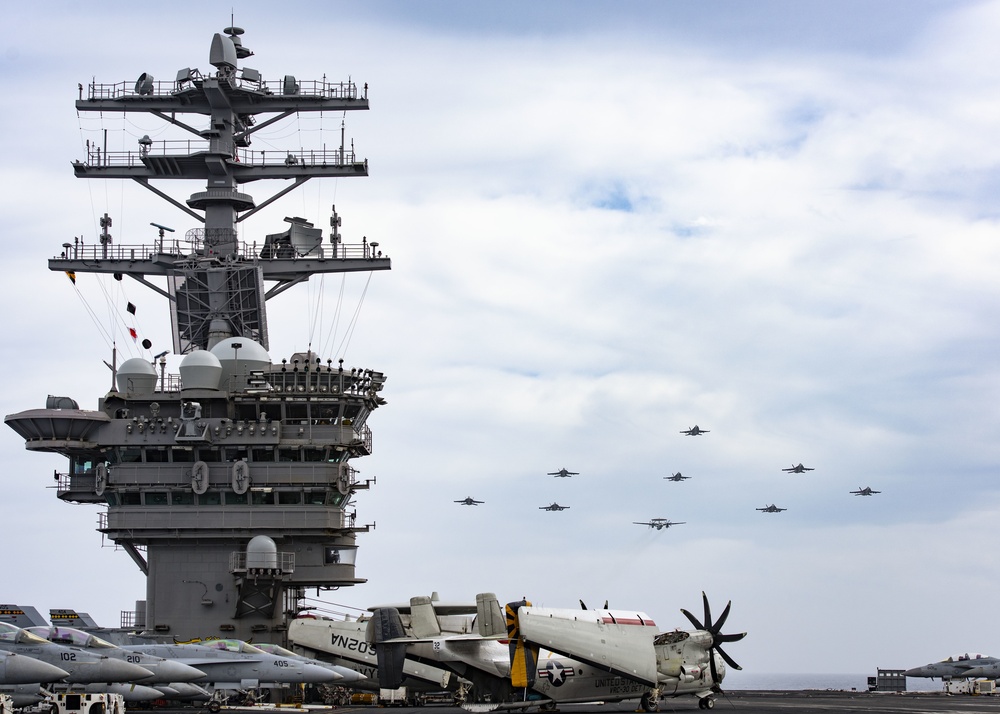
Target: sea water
<point>736,679</point>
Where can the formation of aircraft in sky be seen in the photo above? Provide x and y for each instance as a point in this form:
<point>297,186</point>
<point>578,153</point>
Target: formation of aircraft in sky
<point>554,656</point>
<point>866,491</point>
<point>772,509</point>
<point>659,523</point>
<point>469,501</point>
<point>797,469</point>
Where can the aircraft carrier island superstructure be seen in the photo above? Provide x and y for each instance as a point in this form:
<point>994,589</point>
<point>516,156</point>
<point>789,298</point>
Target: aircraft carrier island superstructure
<point>230,485</point>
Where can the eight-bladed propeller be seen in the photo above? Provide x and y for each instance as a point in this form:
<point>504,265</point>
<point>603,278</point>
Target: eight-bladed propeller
<point>715,629</point>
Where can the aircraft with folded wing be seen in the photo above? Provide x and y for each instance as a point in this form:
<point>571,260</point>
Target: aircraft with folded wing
<point>533,656</point>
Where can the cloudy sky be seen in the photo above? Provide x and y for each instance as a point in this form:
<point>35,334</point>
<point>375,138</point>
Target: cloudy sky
<point>608,222</point>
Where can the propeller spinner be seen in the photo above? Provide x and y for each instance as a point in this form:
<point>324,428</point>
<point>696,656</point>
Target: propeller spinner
<point>715,629</point>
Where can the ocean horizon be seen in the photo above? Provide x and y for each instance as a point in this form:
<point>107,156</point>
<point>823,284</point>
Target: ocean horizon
<point>744,680</point>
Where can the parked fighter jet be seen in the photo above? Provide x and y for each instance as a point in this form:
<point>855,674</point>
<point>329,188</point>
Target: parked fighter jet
<point>866,491</point>
<point>469,501</point>
<point>676,477</point>
<point>82,666</point>
<point>694,431</point>
<point>234,664</point>
<point>959,666</point>
<point>163,670</point>
<point>553,507</point>
<point>797,469</point>
<point>21,669</point>
<point>347,676</point>
<point>659,523</point>
<point>772,509</point>
<point>563,473</point>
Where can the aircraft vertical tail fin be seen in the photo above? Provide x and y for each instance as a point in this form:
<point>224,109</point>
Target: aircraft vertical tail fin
<point>387,625</point>
<point>72,618</point>
<point>22,616</point>
<point>489,617</point>
<point>423,618</point>
<point>523,656</point>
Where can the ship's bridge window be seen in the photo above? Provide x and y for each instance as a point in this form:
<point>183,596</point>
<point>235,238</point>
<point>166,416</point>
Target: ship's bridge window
<point>156,498</point>
<point>155,454</point>
<point>236,499</point>
<point>209,455</point>
<point>262,453</point>
<point>296,412</point>
<point>181,498</point>
<point>236,453</point>
<point>80,465</point>
<point>182,454</point>
<point>335,498</point>
<point>262,497</point>
<point>129,454</point>
<point>289,498</point>
<point>315,498</point>
<point>131,498</point>
<point>337,455</point>
<point>210,498</point>
<point>246,412</point>
<point>286,454</point>
<point>111,498</point>
<point>314,453</point>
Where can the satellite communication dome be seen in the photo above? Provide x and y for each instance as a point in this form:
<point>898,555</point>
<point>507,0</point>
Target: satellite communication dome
<point>239,356</point>
<point>200,370</point>
<point>136,376</point>
<point>262,553</point>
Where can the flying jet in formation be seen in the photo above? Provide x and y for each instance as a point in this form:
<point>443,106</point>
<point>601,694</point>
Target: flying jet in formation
<point>798,469</point>
<point>659,523</point>
<point>866,491</point>
<point>958,667</point>
<point>772,509</point>
<point>469,501</point>
<point>676,477</point>
<point>694,431</point>
<point>563,473</point>
<point>553,507</point>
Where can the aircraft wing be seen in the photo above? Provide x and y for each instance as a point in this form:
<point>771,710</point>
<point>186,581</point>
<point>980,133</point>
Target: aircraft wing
<point>624,649</point>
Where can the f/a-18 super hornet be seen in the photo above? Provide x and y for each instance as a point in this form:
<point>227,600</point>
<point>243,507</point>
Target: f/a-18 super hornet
<point>83,666</point>
<point>469,501</point>
<point>553,507</point>
<point>797,469</point>
<point>22,669</point>
<point>235,664</point>
<point>676,477</point>
<point>694,431</point>
<point>958,667</point>
<point>563,473</point>
<point>535,656</point>
<point>659,523</point>
<point>866,491</point>
<point>771,509</point>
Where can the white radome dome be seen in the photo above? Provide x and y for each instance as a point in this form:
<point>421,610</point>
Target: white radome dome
<point>200,370</point>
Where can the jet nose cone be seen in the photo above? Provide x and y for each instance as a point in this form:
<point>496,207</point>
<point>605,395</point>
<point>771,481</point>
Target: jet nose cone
<point>116,670</point>
<point>349,675</point>
<point>21,669</point>
<point>314,674</point>
<point>170,671</point>
<point>915,672</point>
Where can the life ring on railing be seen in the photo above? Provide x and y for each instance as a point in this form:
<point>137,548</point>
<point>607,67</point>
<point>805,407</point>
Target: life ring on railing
<point>100,479</point>
<point>241,476</point>
<point>199,477</point>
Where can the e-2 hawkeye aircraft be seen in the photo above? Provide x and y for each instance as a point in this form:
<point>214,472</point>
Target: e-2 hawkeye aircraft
<point>536,655</point>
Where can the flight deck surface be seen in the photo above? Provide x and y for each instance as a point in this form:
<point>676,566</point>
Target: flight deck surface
<point>761,702</point>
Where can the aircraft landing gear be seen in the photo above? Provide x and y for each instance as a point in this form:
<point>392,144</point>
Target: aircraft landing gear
<point>706,703</point>
<point>649,703</point>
